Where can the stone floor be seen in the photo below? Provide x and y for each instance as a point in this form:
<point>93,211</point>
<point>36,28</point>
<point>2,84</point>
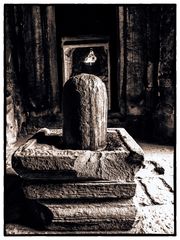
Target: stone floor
<point>154,194</point>
<point>155,191</point>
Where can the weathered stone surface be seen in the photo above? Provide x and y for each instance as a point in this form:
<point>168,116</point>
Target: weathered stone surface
<point>85,113</point>
<point>155,220</point>
<point>157,191</point>
<point>150,218</point>
<point>168,182</point>
<point>11,122</point>
<point>19,229</point>
<point>159,154</point>
<point>141,198</point>
<point>136,152</point>
<point>104,216</point>
<point>154,193</point>
<point>96,189</point>
<point>135,59</point>
<point>164,118</point>
<point>42,158</point>
<point>158,168</point>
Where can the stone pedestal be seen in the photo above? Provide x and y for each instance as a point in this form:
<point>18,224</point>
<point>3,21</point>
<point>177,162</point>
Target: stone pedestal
<point>92,216</point>
<point>57,190</point>
<point>83,190</point>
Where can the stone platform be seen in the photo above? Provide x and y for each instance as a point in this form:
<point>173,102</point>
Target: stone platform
<point>80,190</point>
<point>155,210</point>
<point>92,216</point>
<point>44,156</point>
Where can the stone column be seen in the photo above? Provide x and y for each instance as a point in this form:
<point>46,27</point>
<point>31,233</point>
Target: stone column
<point>51,53</point>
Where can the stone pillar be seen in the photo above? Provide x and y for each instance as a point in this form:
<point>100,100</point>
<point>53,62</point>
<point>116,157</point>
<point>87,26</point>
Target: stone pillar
<point>51,54</point>
<point>135,60</point>
<point>163,118</point>
<point>85,113</point>
<point>121,60</point>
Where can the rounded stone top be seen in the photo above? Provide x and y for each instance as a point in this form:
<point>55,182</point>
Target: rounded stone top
<point>84,79</point>
<point>85,112</point>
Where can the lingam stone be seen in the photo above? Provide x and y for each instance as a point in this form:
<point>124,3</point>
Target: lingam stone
<point>85,113</point>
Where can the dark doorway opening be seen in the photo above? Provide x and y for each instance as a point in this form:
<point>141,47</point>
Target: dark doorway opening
<point>73,20</point>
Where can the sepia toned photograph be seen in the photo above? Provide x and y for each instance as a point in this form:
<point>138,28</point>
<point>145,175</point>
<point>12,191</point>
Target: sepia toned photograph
<point>89,119</point>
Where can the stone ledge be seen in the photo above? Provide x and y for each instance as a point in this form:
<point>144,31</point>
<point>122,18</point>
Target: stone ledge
<point>75,190</point>
<point>20,230</point>
<point>44,159</point>
<point>136,152</point>
<point>104,216</point>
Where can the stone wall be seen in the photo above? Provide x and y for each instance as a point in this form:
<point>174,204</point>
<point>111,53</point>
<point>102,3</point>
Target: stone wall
<point>146,72</point>
<point>15,115</point>
<point>164,111</point>
<point>31,75</point>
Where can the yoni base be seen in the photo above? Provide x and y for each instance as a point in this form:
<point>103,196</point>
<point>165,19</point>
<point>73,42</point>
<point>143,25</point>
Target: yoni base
<point>80,190</point>
<point>72,216</point>
<point>56,190</point>
<point>104,216</point>
<point>45,157</point>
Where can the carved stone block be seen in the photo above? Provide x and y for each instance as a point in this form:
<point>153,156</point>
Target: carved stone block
<point>92,216</point>
<point>78,190</point>
<point>42,158</point>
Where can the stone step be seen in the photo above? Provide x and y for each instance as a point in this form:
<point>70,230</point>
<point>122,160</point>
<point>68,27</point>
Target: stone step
<point>75,190</point>
<point>104,216</point>
<point>20,229</point>
<point>44,157</point>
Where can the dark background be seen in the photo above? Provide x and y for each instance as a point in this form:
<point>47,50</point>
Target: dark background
<point>143,65</point>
